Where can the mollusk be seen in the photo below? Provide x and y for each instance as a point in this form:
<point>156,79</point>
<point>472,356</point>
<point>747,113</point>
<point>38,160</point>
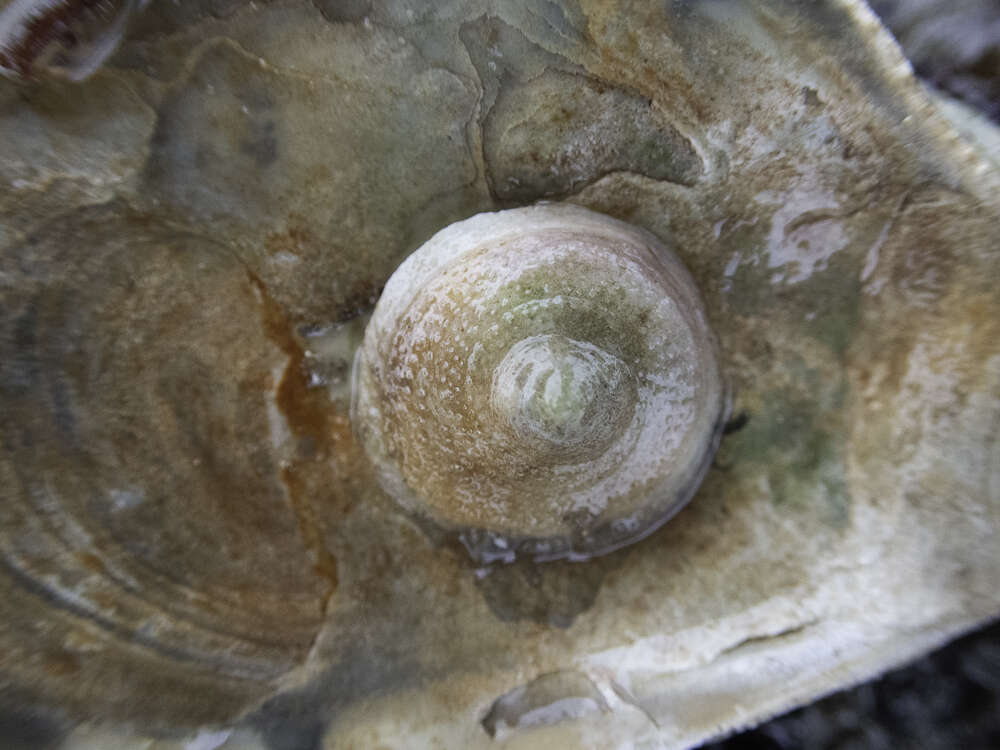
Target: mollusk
<point>543,380</point>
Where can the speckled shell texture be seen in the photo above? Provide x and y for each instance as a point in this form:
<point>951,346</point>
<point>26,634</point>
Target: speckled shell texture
<point>192,539</point>
<point>545,375</point>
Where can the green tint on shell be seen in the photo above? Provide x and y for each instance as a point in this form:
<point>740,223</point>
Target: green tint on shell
<point>566,396</point>
<point>541,381</point>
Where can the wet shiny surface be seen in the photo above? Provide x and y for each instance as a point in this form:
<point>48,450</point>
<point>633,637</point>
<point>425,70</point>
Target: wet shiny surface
<point>192,538</point>
<point>534,411</point>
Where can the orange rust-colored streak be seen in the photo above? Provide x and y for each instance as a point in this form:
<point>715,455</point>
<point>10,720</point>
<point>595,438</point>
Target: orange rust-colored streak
<point>313,421</point>
<point>61,664</point>
<point>312,528</point>
<point>92,562</point>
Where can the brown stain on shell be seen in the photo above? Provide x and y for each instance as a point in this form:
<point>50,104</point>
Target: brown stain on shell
<point>312,419</point>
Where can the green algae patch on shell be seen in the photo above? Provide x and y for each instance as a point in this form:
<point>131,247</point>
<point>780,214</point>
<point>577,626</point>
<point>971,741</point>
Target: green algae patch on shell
<point>541,379</point>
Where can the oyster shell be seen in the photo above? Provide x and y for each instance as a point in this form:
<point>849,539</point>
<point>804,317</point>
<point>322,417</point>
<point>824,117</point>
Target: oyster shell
<point>191,239</point>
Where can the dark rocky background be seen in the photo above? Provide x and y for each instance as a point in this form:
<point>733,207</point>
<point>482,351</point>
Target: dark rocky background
<point>953,44</point>
<point>947,700</point>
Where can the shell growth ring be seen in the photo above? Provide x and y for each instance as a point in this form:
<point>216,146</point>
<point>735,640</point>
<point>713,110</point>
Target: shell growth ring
<point>541,381</point>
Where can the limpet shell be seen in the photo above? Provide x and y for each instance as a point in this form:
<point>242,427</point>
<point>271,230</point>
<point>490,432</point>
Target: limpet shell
<point>543,380</point>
